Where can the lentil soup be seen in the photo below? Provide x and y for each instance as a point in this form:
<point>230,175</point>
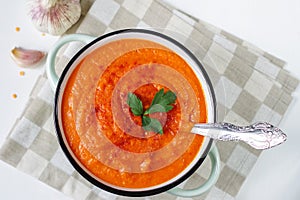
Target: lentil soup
<point>103,134</point>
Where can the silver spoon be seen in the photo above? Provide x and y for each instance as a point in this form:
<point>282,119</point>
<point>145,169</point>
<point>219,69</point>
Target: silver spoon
<point>261,135</point>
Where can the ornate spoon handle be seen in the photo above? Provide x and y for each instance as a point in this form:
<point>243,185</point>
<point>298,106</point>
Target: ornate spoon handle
<point>260,135</point>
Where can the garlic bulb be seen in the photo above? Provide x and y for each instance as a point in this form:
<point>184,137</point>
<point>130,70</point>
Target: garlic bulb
<point>26,57</point>
<point>54,16</point>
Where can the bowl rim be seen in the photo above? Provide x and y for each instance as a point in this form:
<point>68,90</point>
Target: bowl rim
<point>60,133</point>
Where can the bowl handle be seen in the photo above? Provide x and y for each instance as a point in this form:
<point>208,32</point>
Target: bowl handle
<point>50,63</point>
<point>213,177</point>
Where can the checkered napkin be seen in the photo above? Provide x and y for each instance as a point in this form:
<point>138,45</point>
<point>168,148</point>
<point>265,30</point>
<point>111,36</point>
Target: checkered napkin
<point>251,85</point>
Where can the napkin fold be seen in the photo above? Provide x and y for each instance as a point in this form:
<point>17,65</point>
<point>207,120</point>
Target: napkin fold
<point>250,85</point>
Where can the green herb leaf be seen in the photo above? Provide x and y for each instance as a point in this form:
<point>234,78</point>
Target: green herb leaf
<point>161,102</point>
<point>170,97</point>
<point>157,97</point>
<point>151,124</point>
<point>135,104</point>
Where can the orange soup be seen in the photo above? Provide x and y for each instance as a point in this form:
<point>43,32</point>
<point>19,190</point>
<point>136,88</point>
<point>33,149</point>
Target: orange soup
<point>105,136</point>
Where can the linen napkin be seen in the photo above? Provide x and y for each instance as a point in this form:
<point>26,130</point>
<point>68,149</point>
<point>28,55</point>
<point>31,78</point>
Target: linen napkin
<point>250,85</point>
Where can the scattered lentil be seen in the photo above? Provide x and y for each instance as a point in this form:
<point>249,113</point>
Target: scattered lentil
<point>22,73</point>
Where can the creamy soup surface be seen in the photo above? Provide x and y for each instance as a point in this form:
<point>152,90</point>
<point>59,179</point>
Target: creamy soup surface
<point>105,136</point>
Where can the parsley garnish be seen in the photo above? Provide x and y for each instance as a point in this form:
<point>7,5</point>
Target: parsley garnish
<point>151,124</point>
<point>135,104</point>
<point>161,103</point>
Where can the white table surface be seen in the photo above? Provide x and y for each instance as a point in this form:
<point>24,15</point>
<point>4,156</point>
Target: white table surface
<point>271,25</point>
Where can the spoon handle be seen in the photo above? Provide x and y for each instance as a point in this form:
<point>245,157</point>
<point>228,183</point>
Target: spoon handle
<point>260,135</point>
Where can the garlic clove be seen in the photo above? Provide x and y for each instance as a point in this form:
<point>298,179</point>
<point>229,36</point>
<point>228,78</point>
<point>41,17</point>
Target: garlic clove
<point>26,57</point>
<point>54,16</point>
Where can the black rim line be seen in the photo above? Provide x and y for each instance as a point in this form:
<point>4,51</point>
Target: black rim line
<point>74,162</point>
